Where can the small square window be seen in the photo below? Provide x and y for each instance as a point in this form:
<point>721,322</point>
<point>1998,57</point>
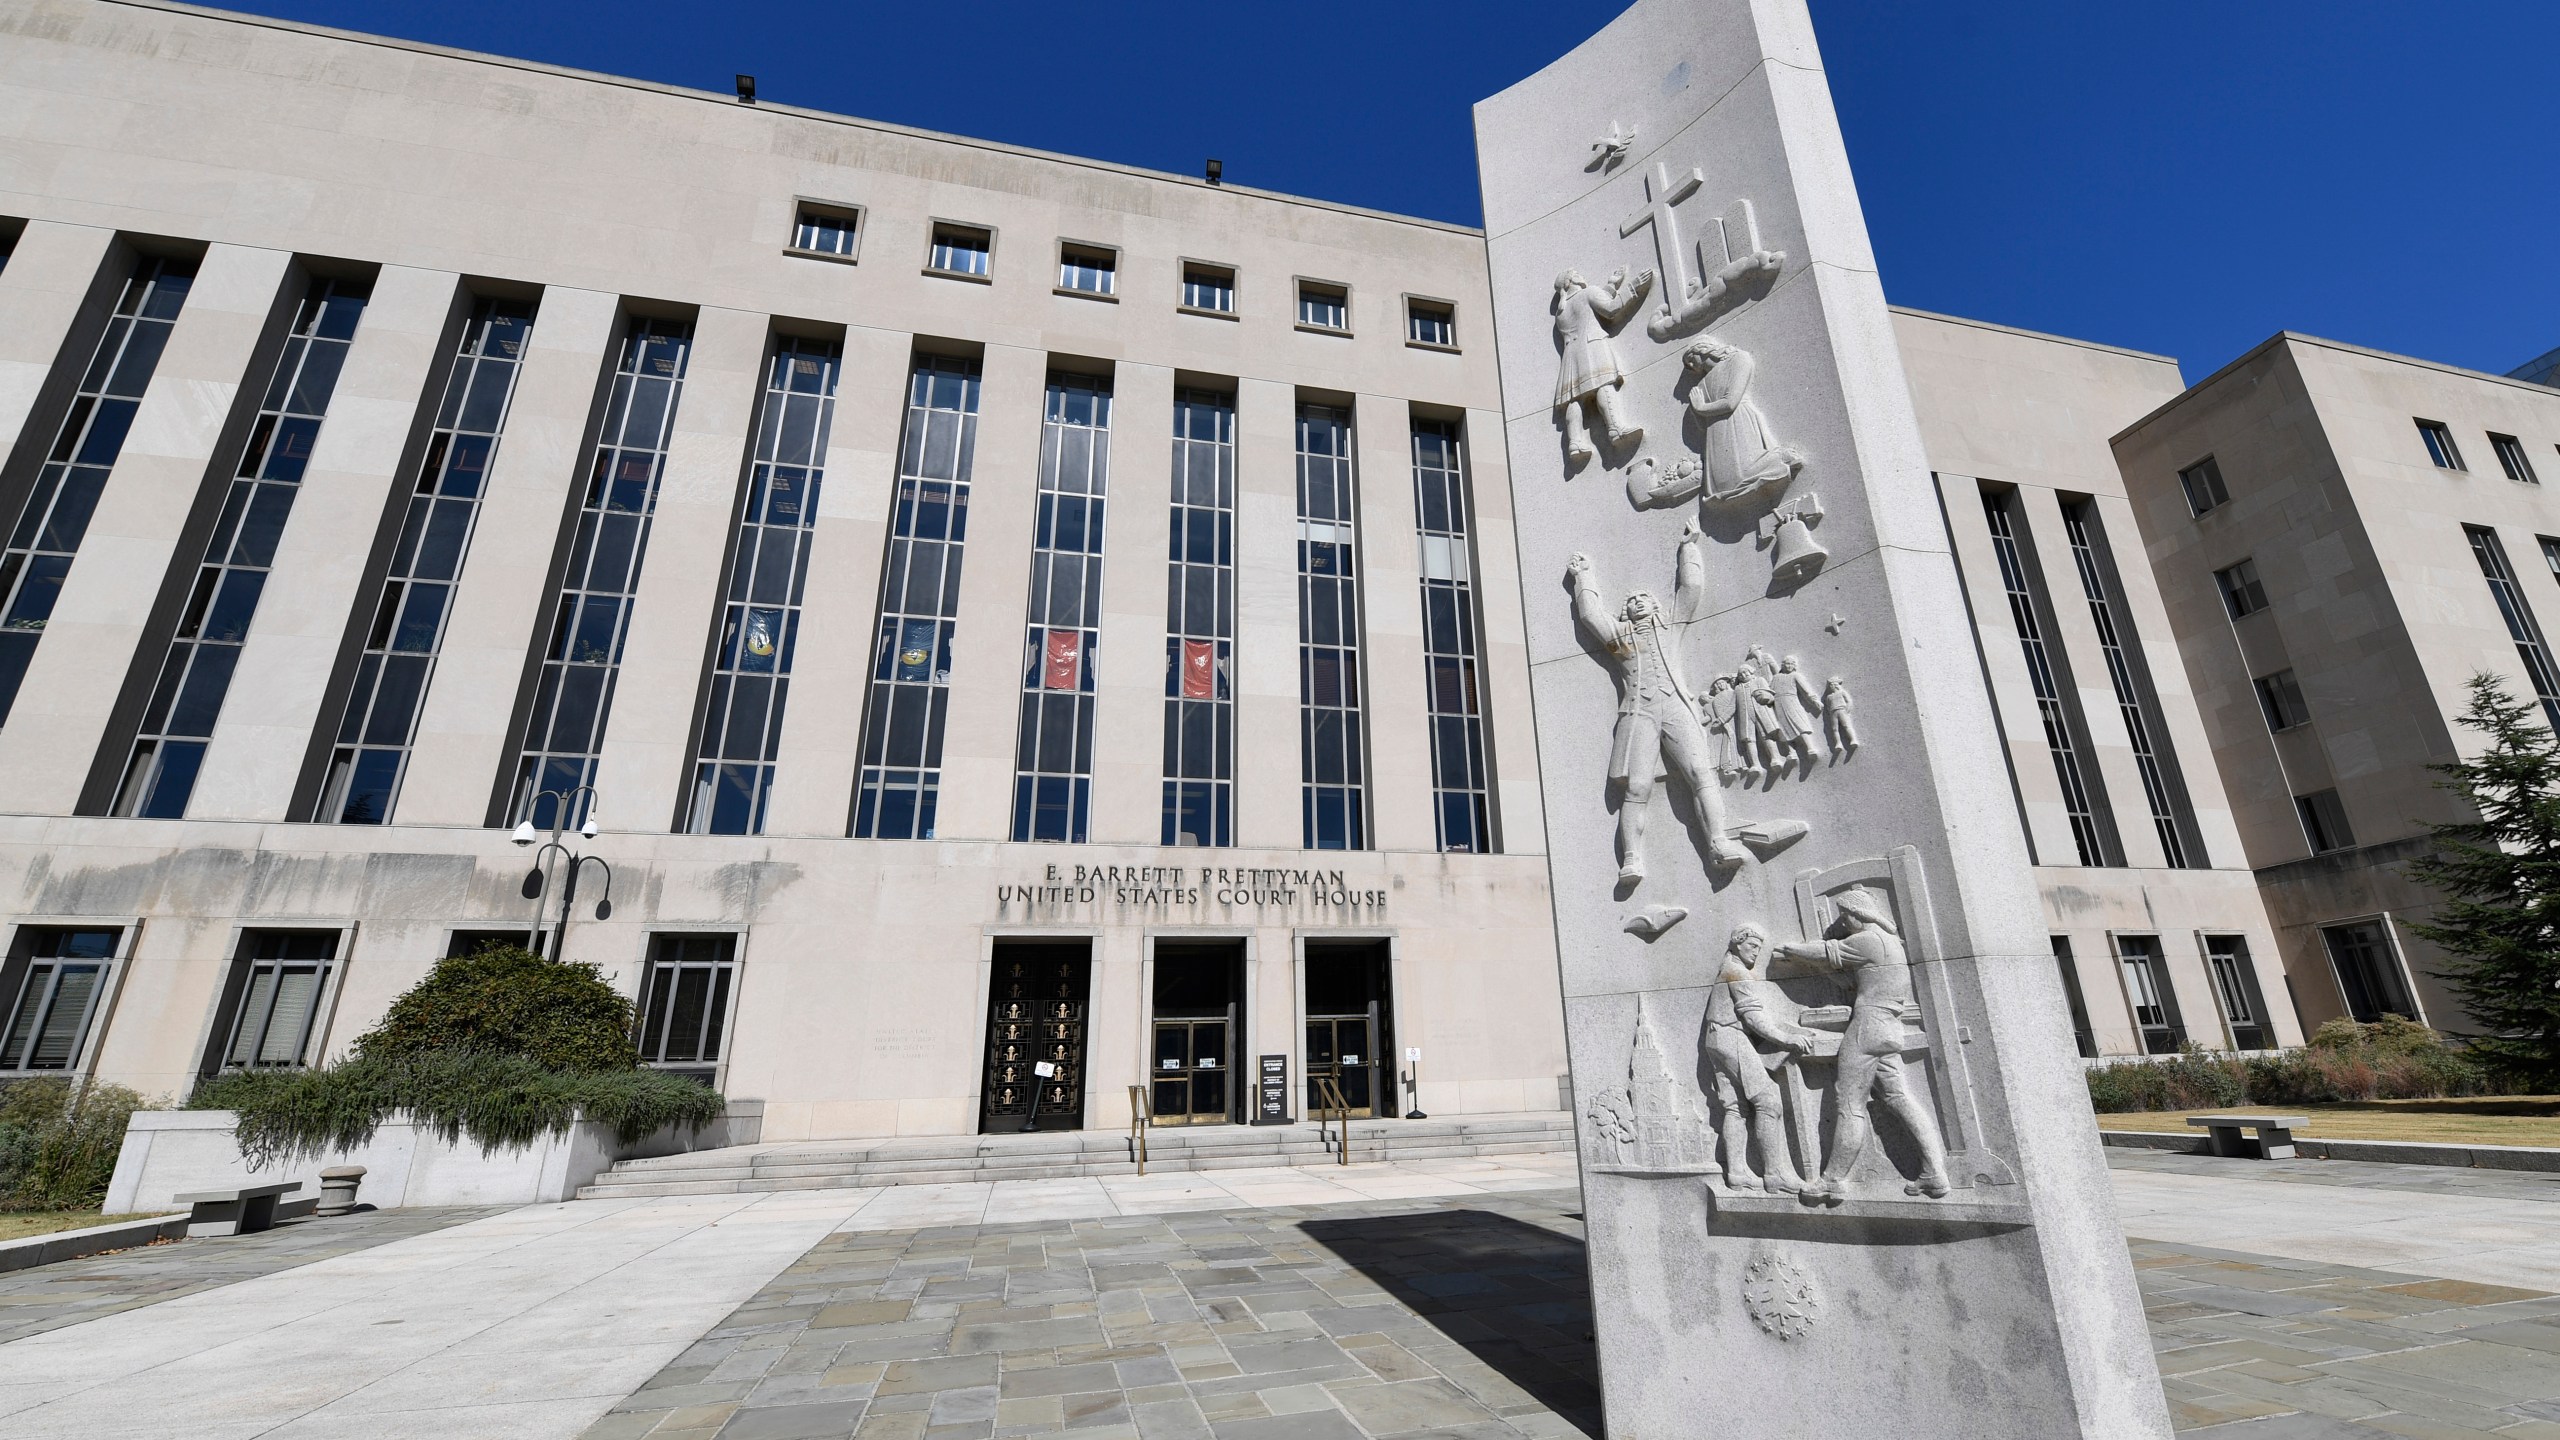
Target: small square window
<point>961,250</point>
<point>2204,487</point>
<point>2324,822</point>
<point>1431,322</point>
<point>2440,447</point>
<point>2281,697</point>
<point>1324,307</point>
<point>2241,590</point>
<point>2512,459</point>
<point>1209,287</point>
<point>1088,269</point>
<point>827,230</point>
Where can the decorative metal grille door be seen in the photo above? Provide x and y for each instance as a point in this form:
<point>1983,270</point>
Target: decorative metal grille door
<point>1036,1017</point>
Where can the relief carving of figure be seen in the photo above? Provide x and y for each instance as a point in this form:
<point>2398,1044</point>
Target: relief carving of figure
<point>1587,368</point>
<point>1740,456</point>
<point>1723,708</point>
<point>1863,943</point>
<point>1745,1012</point>
<point>1659,723</point>
<point>1837,721</point>
<point>1799,707</point>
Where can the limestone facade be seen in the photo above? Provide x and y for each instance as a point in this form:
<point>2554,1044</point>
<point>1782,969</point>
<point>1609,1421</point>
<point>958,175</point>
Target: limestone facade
<point>275,158</point>
<point>2373,546</point>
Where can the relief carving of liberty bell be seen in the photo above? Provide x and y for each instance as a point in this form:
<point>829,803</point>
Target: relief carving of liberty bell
<point>1794,555</point>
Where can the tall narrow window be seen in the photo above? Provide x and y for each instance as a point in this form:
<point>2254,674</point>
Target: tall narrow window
<point>50,525</point>
<point>2061,727</point>
<point>1453,667</point>
<point>1053,751</point>
<point>2521,628</point>
<point>1200,625</point>
<point>195,676</point>
<point>273,1000</point>
<point>919,605</point>
<point>684,1004</point>
<point>58,981</point>
<point>2368,973</point>
<point>2147,990</point>
<point>2235,985</point>
<point>415,597</point>
<point>1332,749</point>
<point>574,696</point>
<point>760,620</point>
<point>2162,787</point>
<point>2082,1036</point>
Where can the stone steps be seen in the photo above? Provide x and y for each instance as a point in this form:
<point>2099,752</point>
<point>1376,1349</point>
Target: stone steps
<point>957,1159</point>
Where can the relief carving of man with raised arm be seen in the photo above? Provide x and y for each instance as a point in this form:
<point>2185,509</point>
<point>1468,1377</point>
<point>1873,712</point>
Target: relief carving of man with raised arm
<point>1587,368</point>
<point>1863,942</point>
<point>1659,724</point>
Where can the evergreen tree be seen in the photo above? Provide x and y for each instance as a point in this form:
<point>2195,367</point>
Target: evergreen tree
<point>2500,876</point>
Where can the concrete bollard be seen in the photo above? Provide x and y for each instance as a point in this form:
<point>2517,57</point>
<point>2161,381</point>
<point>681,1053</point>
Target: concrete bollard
<point>338,1189</point>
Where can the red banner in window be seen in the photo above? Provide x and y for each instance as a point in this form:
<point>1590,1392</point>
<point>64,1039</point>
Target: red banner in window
<point>1199,670</point>
<point>1065,648</point>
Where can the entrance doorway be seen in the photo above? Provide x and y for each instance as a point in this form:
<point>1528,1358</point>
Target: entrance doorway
<point>1036,1011</point>
<point>1197,1022</point>
<point>1351,1024</point>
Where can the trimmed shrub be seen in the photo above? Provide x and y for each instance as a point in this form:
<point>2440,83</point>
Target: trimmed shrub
<point>58,1143</point>
<point>505,1000</point>
<point>2343,1062</point>
<point>499,1101</point>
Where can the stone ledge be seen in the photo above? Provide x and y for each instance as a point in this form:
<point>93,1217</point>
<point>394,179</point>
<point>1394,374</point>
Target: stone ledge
<point>2388,1152</point>
<point>37,1250</point>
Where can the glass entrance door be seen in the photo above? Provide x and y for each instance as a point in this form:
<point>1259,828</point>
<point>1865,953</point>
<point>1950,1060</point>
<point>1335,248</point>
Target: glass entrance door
<point>1191,1068</point>
<point>1035,1038</point>
<point>1345,1048</point>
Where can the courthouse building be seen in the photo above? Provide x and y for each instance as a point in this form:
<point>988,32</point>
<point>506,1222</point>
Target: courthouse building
<point>998,629</point>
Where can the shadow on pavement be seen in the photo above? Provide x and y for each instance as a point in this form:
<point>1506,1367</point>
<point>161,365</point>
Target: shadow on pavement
<point>1516,1295</point>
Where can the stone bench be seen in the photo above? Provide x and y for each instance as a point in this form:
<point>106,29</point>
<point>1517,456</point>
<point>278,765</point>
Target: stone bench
<point>2274,1135</point>
<point>240,1210</point>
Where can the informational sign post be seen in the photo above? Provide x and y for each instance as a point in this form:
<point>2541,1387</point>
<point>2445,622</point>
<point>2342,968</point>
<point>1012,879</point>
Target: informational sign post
<point>1271,1100</point>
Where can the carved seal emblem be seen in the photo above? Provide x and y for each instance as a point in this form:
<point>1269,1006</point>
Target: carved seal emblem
<point>1779,1296</point>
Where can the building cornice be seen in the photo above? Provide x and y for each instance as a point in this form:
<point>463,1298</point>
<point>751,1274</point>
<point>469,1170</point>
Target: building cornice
<point>768,107</point>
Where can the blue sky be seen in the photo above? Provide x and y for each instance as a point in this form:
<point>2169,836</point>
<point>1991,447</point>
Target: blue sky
<point>2173,175</point>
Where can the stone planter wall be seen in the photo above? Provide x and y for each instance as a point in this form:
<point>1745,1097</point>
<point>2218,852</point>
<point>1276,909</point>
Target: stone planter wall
<point>171,1152</point>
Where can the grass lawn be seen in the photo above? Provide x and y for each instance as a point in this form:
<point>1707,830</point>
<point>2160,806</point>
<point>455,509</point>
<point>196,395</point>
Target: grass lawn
<point>2484,1120</point>
<point>19,1224</point>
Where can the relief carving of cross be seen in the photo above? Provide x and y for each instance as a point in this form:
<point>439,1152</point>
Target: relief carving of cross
<point>1672,257</point>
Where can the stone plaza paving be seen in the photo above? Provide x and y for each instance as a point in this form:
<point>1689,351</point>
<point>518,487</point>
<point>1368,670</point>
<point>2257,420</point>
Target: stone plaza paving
<point>1439,1301</point>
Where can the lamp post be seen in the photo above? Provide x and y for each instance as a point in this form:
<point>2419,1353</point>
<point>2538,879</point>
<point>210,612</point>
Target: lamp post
<point>534,887</point>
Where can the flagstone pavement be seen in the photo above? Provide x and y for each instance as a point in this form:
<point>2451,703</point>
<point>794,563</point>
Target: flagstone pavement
<point>1431,1301</point>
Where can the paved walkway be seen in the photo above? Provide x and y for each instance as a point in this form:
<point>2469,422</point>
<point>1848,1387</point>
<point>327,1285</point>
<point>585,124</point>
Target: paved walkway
<point>48,1297</point>
<point>1439,1299</point>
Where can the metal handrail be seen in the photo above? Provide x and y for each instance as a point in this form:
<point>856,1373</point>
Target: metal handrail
<point>1139,1121</point>
<point>1331,1102</point>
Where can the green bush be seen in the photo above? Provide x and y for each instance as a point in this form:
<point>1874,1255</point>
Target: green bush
<point>58,1143</point>
<point>2391,1059</point>
<point>499,1101</point>
<point>509,1001</point>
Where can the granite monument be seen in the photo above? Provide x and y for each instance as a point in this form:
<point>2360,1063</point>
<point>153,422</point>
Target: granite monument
<point>1840,1172</point>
